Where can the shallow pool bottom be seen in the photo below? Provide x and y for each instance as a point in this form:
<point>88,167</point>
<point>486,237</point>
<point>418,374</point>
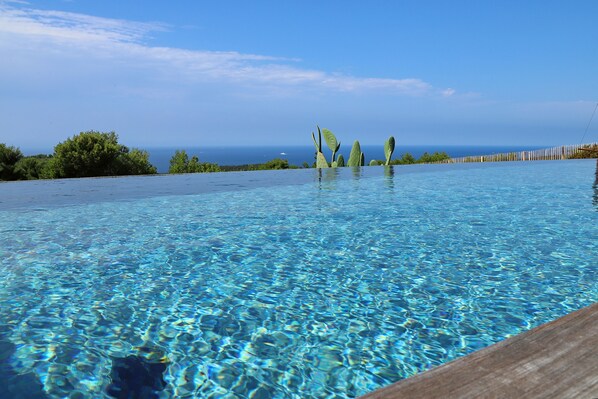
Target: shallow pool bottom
<point>332,286</point>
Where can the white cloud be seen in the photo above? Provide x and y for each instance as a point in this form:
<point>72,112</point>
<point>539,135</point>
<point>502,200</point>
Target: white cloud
<point>125,40</point>
<point>13,2</point>
<point>448,92</point>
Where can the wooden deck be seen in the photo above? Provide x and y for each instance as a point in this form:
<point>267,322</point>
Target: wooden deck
<point>555,360</point>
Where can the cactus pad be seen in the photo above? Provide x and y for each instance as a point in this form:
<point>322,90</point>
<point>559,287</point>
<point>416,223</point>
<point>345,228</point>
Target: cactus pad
<point>389,147</point>
<point>355,157</point>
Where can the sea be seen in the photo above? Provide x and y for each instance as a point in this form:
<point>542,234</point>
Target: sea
<point>297,155</point>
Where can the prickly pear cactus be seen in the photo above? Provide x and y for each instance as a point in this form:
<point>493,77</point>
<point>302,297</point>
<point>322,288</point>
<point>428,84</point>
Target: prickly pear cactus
<point>321,161</point>
<point>362,159</point>
<point>373,162</point>
<point>340,161</point>
<point>389,148</point>
<point>318,143</point>
<point>332,143</point>
<point>355,157</point>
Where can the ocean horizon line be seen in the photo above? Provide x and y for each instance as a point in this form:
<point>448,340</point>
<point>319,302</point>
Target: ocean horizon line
<point>297,155</point>
<point>32,150</point>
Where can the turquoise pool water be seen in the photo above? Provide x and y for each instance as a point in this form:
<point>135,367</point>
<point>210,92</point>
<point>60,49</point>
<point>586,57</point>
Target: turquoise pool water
<point>287,284</point>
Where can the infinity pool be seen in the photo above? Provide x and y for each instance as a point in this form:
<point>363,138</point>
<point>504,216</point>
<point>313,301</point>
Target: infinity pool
<point>290,284</point>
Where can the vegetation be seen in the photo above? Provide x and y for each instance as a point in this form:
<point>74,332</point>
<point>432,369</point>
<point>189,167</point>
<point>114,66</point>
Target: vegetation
<point>274,164</point>
<point>87,154</point>
<point>137,163</point>
<point>389,148</point>
<point>15,166</point>
<point>180,163</point>
<point>33,167</point>
<point>356,157</point>
<point>95,153</point>
<point>408,159</point>
<point>435,157</point>
<point>331,142</point>
<point>587,151</point>
<point>9,157</point>
<point>320,158</point>
<point>92,153</point>
<point>99,154</point>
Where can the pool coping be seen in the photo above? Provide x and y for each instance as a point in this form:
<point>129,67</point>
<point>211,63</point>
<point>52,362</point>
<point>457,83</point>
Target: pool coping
<point>558,359</point>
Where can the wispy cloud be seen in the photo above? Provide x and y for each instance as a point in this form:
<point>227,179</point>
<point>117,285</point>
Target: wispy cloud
<point>13,2</point>
<point>59,25</point>
<point>448,92</point>
<point>129,41</point>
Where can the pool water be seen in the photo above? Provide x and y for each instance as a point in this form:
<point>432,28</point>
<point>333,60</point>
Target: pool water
<point>290,284</point>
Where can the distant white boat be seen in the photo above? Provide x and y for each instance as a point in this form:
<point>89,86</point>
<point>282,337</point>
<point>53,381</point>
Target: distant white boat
<point>283,153</point>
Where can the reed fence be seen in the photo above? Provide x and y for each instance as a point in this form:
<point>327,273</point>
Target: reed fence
<point>554,153</point>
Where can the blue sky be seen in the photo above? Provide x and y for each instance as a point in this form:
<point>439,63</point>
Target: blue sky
<point>199,73</point>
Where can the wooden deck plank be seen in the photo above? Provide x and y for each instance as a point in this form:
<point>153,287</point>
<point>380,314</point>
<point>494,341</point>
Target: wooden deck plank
<point>555,360</point>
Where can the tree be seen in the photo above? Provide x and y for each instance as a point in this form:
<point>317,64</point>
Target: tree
<point>406,159</point>
<point>97,154</point>
<point>180,163</point>
<point>276,163</point>
<point>193,166</point>
<point>136,162</point>
<point>33,167</point>
<point>9,156</point>
<point>207,167</point>
<point>435,157</point>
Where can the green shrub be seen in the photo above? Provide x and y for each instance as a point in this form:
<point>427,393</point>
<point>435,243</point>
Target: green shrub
<point>34,167</point>
<point>180,163</point>
<point>94,153</point>
<point>9,157</point>
<point>435,157</point>
<point>274,164</point>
